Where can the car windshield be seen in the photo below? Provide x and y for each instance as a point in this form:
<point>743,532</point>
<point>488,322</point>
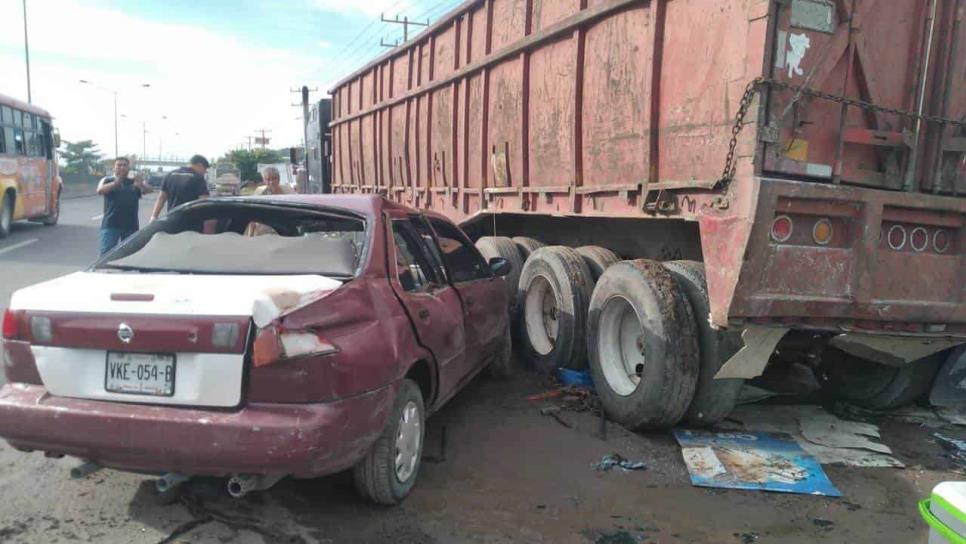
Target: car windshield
<point>246,238</point>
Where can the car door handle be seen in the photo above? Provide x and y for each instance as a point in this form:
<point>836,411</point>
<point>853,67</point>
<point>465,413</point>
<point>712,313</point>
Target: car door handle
<point>423,314</point>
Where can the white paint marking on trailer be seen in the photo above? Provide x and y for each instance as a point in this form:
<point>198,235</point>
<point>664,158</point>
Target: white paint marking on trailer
<point>17,246</point>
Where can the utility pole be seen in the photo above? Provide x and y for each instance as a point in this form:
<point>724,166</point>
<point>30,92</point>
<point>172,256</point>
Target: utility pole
<point>405,22</point>
<point>263,141</point>
<point>304,104</point>
<point>26,50</point>
<point>144,135</point>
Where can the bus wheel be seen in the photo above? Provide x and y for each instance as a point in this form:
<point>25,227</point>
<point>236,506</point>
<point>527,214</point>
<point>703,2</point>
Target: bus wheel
<point>6,215</point>
<point>598,259</point>
<point>51,219</point>
<point>643,346</point>
<point>713,399</point>
<point>555,288</point>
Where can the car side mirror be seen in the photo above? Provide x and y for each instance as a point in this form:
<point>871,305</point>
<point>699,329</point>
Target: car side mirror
<point>500,267</point>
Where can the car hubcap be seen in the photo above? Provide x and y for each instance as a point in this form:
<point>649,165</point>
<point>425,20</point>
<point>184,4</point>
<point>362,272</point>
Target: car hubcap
<point>621,346</point>
<point>541,315</point>
<point>408,441</point>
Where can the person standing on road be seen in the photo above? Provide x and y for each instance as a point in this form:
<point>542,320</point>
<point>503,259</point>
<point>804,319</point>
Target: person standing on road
<point>186,184</point>
<point>273,185</point>
<point>121,198</point>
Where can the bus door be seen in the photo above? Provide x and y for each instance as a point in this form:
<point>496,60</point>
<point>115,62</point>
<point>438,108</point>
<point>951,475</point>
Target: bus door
<point>33,167</point>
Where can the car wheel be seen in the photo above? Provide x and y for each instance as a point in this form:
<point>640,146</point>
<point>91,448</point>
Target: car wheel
<point>502,364</point>
<point>52,218</point>
<point>598,259</point>
<point>6,216</point>
<point>501,246</point>
<point>713,399</point>
<point>387,473</point>
<point>526,246</point>
<point>876,386</point>
<point>555,289</point>
<point>643,346</point>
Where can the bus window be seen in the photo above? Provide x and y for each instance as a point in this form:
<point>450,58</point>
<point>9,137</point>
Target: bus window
<point>8,138</point>
<point>18,142</point>
<point>3,146</point>
<point>6,114</point>
<point>28,121</point>
<point>17,118</point>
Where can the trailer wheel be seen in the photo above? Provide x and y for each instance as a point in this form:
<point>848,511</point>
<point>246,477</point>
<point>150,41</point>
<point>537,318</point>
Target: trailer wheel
<point>876,386</point>
<point>713,399</point>
<point>527,245</point>
<point>598,259</point>
<point>555,289</point>
<point>501,246</point>
<point>643,346</point>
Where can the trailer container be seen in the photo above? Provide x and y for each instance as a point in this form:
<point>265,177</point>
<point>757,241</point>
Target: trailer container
<point>808,157</point>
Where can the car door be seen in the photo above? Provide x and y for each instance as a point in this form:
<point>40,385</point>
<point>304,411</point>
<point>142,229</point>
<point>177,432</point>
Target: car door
<point>432,304</point>
<point>483,294</point>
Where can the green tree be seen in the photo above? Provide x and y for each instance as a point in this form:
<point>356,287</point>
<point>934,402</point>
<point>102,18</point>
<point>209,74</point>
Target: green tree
<point>81,157</point>
<point>248,161</point>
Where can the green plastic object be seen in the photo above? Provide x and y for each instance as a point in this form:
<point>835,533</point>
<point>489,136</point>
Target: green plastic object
<point>938,525</point>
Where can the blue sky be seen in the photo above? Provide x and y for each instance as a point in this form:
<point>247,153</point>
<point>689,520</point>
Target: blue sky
<point>218,70</point>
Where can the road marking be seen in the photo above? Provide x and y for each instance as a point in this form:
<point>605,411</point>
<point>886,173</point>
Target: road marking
<point>97,217</point>
<point>17,246</point>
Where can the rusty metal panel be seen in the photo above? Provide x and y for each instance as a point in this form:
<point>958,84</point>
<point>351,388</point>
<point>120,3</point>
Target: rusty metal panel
<point>509,22</point>
<point>548,12</point>
<point>505,145</point>
<point>552,105</point>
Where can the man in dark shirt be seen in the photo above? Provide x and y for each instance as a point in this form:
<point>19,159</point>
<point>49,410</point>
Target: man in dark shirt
<point>121,195</point>
<point>185,184</point>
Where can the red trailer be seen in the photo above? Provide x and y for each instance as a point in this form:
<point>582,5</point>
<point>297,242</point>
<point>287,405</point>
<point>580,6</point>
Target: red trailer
<point>807,156</point>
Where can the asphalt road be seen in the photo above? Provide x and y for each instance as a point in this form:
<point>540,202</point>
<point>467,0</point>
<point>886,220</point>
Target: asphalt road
<point>504,473</point>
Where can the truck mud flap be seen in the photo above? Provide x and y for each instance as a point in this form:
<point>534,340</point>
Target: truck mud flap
<point>750,361</point>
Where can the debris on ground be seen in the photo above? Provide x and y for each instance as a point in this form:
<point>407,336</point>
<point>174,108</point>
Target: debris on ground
<point>578,378</point>
<point>553,411</point>
<point>752,460</point>
<point>831,440</point>
<point>617,460</point>
<point>955,449</point>
<point>823,523</point>
<point>572,398</point>
<point>935,417</point>
<point>747,538</point>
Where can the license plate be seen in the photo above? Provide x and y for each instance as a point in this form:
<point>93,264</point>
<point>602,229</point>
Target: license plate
<point>140,373</point>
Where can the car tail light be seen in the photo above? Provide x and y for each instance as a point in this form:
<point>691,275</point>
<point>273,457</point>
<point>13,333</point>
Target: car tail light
<point>822,232</point>
<point>274,344</point>
<point>781,228</point>
<point>919,239</point>
<point>896,237</point>
<point>268,347</point>
<point>941,241</point>
<point>224,335</point>
<point>12,329</point>
<point>40,329</point>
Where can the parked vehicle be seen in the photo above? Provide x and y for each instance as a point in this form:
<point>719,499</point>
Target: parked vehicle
<point>29,180</point>
<point>224,179</point>
<point>317,345</point>
<point>793,172</point>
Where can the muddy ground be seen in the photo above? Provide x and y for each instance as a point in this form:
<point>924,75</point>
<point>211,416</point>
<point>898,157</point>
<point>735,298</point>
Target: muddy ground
<point>508,474</point>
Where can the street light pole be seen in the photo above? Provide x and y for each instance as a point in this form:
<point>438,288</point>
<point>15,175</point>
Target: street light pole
<point>115,125</point>
<point>84,81</point>
<point>26,50</point>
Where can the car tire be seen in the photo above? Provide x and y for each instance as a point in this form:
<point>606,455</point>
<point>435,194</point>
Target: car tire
<point>52,218</point>
<point>876,386</point>
<point>502,365</point>
<point>526,246</point>
<point>713,399</point>
<point>598,259</point>
<point>643,346</point>
<point>377,477</point>
<point>555,290</point>
<point>501,246</point>
<point>6,215</point>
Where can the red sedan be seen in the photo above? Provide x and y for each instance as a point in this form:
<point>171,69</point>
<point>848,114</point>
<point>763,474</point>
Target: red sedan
<point>255,339</point>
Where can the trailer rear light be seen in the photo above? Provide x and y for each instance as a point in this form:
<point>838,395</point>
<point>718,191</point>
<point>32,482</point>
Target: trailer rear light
<point>941,241</point>
<point>781,228</point>
<point>40,329</point>
<point>919,239</point>
<point>822,232</point>
<point>224,335</point>
<point>12,324</point>
<point>896,237</point>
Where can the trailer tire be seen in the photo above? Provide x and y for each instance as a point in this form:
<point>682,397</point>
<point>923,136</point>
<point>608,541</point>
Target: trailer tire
<point>713,399</point>
<point>377,476</point>
<point>501,246</point>
<point>598,259</point>
<point>555,290</point>
<point>876,386</point>
<point>643,346</point>
<point>526,246</point>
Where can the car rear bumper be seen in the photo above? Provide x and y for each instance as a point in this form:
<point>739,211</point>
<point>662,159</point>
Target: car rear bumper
<point>303,440</point>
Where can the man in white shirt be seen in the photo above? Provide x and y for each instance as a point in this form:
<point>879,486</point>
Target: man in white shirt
<point>273,185</point>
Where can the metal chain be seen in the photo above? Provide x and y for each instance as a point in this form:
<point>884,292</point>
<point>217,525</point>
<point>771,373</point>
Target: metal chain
<point>757,84</point>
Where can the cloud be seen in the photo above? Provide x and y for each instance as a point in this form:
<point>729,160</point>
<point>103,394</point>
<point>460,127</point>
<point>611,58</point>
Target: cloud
<point>214,89</point>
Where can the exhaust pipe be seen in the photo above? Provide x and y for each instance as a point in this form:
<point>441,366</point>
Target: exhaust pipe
<point>169,481</point>
<point>84,470</point>
<point>240,485</point>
